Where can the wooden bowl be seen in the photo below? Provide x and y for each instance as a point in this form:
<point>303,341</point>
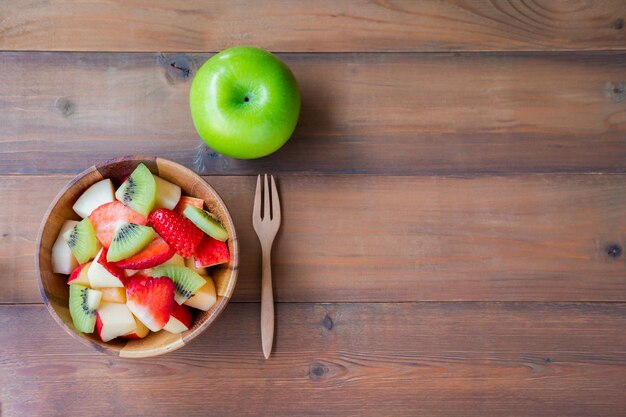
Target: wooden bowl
<point>55,291</point>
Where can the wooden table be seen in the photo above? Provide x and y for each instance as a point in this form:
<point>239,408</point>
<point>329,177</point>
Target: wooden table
<point>454,203</point>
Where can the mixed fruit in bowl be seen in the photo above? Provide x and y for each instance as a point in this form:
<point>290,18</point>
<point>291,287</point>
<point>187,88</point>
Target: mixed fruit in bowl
<point>139,259</point>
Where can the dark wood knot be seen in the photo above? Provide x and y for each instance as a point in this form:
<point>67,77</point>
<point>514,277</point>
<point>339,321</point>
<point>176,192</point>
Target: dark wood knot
<point>618,24</point>
<point>317,371</point>
<point>64,106</point>
<point>613,250</point>
<point>328,322</point>
<point>616,90</point>
<point>178,68</point>
<point>548,360</point>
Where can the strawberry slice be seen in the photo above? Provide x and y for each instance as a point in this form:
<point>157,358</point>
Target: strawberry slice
<point>151,300</point>
<point>210,252</point>
<point>180,320</point>
<point>177,230</point>
<point>157,252</point>
<point>188,201</point>
<point>105,217</point>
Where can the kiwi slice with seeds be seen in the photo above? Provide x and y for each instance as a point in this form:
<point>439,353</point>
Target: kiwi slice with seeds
<point>186,281</point>
<point>83,304</point>
<point>128,239</point>
<point>82,241</point>
<point>206,222</point>
<point>139,191</point>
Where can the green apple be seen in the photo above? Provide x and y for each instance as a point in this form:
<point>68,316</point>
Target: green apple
<point>245,102</point>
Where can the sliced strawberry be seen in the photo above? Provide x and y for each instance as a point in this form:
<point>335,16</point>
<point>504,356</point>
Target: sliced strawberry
<point>183,314</point>
<point>188,201</point>
<point>151,300</point>
<point>211,252</point>
<point>157,252</point>
<point>105,217</point>
<point>177,230</point>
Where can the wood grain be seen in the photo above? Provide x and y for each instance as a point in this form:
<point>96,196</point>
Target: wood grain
<point>314,26</point>
<point>371,238</point>
<point>384,114</point>
<point>453,359</point>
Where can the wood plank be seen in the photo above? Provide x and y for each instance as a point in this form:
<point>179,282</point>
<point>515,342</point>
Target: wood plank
<point>453,359</point>
<point>385,114</point>
<point>316,26</point>
<point>372,238</point>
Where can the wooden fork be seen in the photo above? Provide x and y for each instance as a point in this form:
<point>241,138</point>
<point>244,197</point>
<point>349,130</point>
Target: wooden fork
<point>266,225</point>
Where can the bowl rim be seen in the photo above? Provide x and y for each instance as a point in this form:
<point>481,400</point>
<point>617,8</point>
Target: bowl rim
<point>189,335</point>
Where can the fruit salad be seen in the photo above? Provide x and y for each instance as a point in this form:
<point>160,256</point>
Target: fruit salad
<point>139,260</point>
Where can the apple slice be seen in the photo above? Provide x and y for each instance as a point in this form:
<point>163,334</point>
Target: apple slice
<point>113,320</point>
<point>204,298</point>
<point>188,201</point>
<point>140,331</point>
<point>104,274</point>
<point>63,260</point>
<point>168,194</point>
<point>98,194</point>
<point>113,295</point>
<point>180,319</point>
<point>79,275</point>
<point>190,263</point>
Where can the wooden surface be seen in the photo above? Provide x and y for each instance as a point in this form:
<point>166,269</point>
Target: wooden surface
<point>482,238</point>
<point>361,113</point>
<point>454,205</point>
<point>424,359</point>
<point>313,26</point>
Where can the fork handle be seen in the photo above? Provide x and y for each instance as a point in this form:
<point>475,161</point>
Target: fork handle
<point>267,305</point>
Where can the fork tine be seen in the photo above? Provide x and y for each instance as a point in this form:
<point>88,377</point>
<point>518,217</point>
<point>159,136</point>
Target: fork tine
<point>275,201</point>
<point>256,211</point>
<point>266,200</point>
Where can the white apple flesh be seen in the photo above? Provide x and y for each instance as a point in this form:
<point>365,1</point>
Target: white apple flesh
<point>63,261</point>
<point>94,297</point>
<point>113,320</point>
<point>100,277</point>
<point>140,331</point>
<point>98,194</point>
<point>168,194</point>
<point>204,298</point>
<point>113,295</point>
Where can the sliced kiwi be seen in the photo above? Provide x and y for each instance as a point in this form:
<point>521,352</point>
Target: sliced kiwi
<point>206,222</point>
<point>83,304</point>
<point>82,241</point>
<point>186,281</point>
<point>129,239</point>
<point>138,191</point>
